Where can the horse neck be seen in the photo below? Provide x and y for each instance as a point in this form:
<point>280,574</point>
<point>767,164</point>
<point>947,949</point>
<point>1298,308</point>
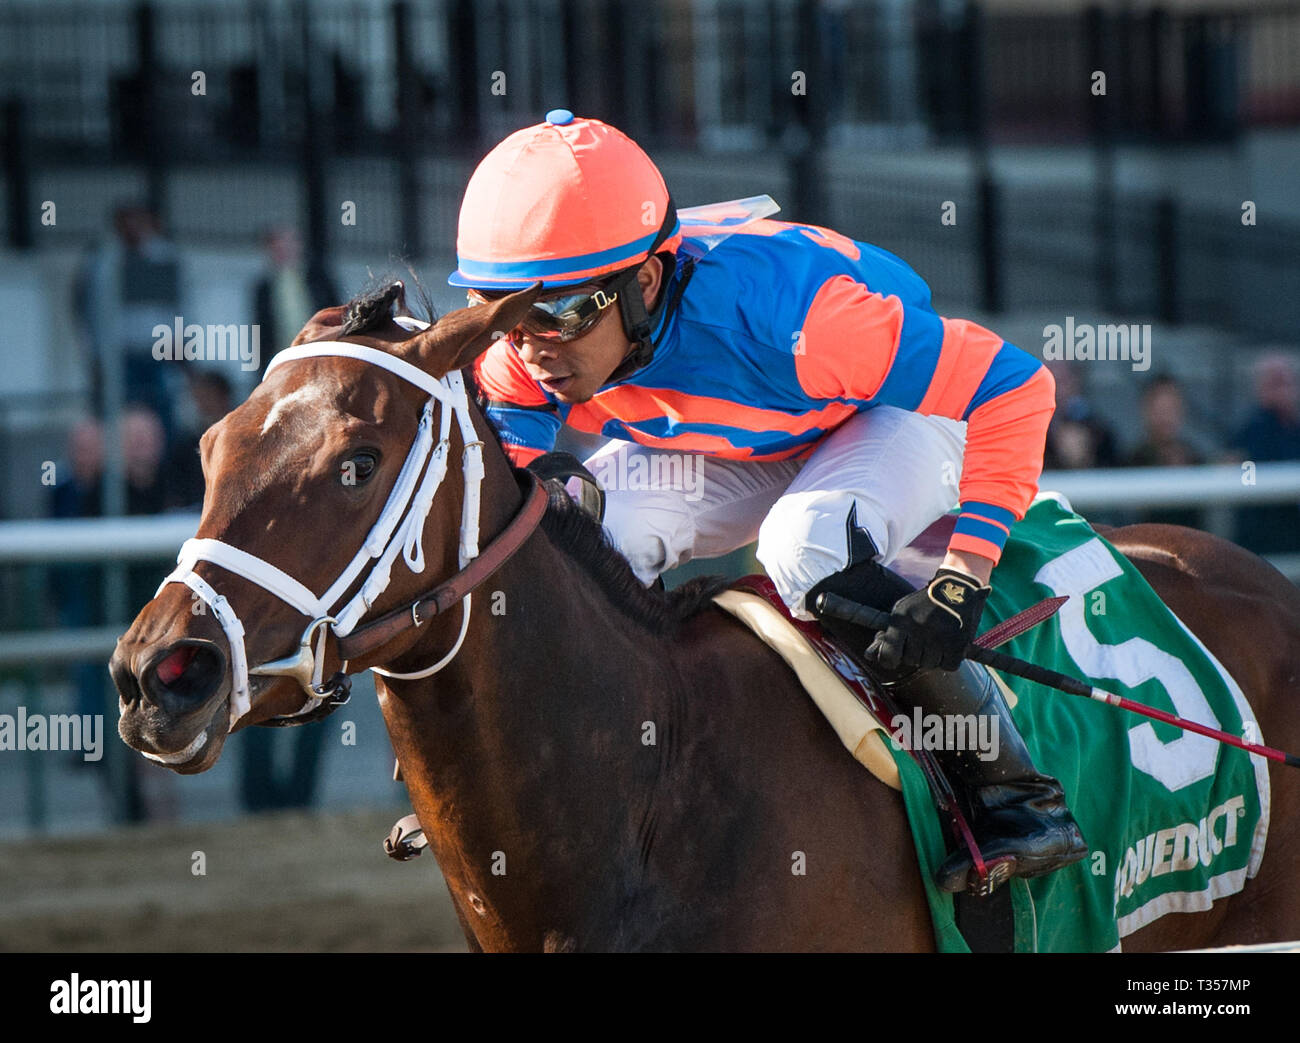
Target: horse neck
<point>513,752</point>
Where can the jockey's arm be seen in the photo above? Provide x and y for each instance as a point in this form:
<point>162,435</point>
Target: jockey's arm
<point>864,346</point>
<point>526,420</point>
<point>869,347</point>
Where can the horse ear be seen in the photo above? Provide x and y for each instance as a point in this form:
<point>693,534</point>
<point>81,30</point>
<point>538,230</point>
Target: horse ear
<point>325,319</point>
<point>461,336</point>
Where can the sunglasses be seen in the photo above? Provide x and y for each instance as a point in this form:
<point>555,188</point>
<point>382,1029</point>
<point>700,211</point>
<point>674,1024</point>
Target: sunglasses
<point>563,317</point>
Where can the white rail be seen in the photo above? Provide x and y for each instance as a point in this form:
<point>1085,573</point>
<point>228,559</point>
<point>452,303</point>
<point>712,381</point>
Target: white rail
<point>133,539</point>
<point>95,539</point>
<point>1211,486</point>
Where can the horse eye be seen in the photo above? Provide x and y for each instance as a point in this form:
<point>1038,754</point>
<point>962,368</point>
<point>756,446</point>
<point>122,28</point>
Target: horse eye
<point>358,468</point>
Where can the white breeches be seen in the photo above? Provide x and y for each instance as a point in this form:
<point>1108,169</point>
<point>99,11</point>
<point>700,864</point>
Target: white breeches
<point>899,469</point>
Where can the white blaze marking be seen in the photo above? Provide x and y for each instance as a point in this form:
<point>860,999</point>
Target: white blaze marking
<point>309,393</point>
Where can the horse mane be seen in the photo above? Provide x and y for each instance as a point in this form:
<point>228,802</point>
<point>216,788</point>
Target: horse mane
<point>565,523</point>
<point>585,541</point>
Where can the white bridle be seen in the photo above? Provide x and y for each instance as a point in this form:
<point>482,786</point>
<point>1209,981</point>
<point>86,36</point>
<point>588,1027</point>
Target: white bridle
<point>399,530</point>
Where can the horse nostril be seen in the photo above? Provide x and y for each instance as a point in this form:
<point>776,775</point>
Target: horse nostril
<point>185,675</point>
<point>127,684</point>
<point>171,667</point>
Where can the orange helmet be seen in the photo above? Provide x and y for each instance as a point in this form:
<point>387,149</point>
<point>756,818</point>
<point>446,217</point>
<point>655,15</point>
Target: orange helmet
<point>565,202</point>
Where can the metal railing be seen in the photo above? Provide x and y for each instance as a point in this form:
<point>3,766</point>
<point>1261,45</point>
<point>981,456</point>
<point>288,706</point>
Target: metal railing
<point>675,71</point>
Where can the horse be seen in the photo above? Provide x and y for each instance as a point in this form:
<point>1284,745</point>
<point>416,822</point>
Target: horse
<point>600,765</point>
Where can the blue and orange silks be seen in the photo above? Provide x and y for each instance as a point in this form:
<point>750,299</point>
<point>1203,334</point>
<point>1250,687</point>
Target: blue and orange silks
<point>783,332</point>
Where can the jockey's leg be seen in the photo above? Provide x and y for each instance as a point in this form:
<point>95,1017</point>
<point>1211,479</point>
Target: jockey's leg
<point>872,486</point>
<point>663,508</point>
<point>1020,820</point>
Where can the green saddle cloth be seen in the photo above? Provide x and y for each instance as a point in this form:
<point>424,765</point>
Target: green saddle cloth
<point>1173,820</point>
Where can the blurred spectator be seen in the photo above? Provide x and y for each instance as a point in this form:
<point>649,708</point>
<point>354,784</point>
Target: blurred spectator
<point>78,591</point>
<point>76,494</point>
<point>286,296</point>
<point>210,392</point>
<point>126,286</point>
<point>1077,438</point>
<point>1164,444</point>
<point>1164,416</point>
<point>143,447</point>
<point>1272,432</point>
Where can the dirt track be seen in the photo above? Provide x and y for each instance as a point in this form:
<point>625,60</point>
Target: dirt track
<point>274,883</point>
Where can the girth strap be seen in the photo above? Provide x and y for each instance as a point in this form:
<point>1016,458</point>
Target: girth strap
<point>373,636</point>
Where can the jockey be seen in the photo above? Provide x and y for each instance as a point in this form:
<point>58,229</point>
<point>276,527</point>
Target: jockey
<point>802,389</point>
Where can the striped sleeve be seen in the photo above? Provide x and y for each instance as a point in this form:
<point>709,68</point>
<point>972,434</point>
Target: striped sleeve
<point>868,346</point>
<point>1007,397</point>
<point>526,420</point>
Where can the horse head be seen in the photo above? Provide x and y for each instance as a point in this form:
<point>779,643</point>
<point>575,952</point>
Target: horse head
<point>321,454</point>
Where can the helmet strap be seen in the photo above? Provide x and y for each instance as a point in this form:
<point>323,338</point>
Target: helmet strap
<point>637,322</point>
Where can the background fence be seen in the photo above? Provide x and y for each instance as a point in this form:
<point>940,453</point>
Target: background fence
<point>391,104</point>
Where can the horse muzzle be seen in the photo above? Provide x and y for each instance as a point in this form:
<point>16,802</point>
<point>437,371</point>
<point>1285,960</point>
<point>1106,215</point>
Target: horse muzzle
<point>172,699</point>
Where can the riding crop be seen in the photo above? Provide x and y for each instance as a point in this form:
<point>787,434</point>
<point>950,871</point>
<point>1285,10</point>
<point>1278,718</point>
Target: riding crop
<point>864,616</point>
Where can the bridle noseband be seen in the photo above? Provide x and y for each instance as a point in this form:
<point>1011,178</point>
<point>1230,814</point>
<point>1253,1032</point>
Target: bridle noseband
<point>399,530</point>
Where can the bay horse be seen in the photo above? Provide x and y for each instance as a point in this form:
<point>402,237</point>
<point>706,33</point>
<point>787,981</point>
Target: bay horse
<point>556,824</point>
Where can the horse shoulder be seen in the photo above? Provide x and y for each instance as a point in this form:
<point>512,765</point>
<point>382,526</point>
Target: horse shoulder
<point>799,800</point>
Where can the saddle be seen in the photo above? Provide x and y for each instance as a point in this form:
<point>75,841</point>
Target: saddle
<point>856,705</point>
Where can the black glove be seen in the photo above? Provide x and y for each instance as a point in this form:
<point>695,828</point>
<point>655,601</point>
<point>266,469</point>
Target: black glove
<point>932,626</point>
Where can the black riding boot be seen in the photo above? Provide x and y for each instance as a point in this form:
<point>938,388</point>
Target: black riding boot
<point>1021,823</point>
